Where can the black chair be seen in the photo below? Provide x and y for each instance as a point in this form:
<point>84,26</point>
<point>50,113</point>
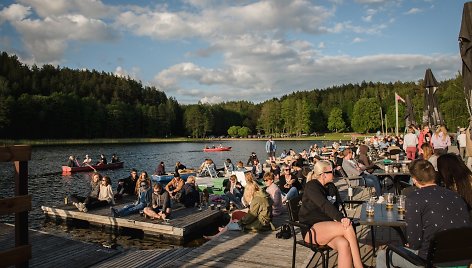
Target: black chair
<point>451,247</point>
<point>293,206</point>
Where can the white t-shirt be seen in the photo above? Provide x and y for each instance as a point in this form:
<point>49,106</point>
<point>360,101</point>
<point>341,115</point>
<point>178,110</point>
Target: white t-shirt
<point>461,139</point>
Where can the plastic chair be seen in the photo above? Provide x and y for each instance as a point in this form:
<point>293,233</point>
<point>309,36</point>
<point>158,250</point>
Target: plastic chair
<point>293,206</point>
<point>451,247</point>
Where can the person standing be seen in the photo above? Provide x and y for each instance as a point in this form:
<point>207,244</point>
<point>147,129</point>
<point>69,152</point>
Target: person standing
<point>410,141</point>
<point>462,144</point>
<point>271,147</point>
<point>441,141</point>
<point>424,137</point>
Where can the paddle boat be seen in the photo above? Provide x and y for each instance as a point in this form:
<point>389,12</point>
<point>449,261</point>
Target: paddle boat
<point>66,169</point>
<point>217,149</point>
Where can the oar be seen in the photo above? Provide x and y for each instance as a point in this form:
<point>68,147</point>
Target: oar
<point>94,170</point>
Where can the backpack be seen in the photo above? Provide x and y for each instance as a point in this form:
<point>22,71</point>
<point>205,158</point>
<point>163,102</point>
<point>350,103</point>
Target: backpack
<point>285,232</point>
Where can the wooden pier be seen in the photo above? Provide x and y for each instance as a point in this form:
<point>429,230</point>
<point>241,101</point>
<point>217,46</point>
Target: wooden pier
<point>183,224</point>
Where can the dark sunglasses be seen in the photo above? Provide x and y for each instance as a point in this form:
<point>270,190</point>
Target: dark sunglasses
<point>143,185</point>
<point>329,172</point>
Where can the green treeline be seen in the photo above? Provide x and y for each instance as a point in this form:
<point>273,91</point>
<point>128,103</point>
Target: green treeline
<point>62,103</point>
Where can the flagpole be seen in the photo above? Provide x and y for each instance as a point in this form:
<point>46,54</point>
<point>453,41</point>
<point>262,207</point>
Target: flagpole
<point>396,115</point>
<point>386,128</point>
<point>382,120</point>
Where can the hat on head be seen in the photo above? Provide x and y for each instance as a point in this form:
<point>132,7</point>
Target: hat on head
<point>462,129</point>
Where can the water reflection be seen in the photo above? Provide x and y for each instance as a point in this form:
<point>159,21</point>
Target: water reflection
<point>50,189</point>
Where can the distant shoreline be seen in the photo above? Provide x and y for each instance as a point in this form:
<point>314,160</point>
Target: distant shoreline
<point>47,142</point>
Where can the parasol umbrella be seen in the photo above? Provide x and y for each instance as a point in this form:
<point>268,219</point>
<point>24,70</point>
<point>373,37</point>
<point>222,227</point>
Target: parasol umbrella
<point>465,46</point>
<point>409,113</point>
<point>431,114</point>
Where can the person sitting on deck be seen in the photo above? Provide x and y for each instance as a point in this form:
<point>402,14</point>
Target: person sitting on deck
<point>174,187</point>
<point>275,170</point>
<point>87,161</point>
<point>160,205</point>
<point>259,216</point>
<point>240,166</point>
<point>115,159</point>
<point>251,159</point>
<point>127,186</point>
<point>275,194</point>
<point>233,190</point>
<point>160,169</point>
<point>144,200</point>
<point>142,177</point>
<point>102,160</point>
<point>428,209</point>
<point>190,195</point>
<point>288,184</point>
<point>257,169</point>
<point>105,196</point>
<point>328,224</point>
<point>179,167</point>
<point>82,202</point>
<point>229,166</point>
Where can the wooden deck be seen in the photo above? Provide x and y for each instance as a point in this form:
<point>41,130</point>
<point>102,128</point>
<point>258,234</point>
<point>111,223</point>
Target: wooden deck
<point>231,249</point>
<point>184,222</point>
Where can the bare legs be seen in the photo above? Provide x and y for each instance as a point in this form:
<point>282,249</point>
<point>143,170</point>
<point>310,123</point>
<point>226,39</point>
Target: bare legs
<point>343,240</point>
<point>153,215</point>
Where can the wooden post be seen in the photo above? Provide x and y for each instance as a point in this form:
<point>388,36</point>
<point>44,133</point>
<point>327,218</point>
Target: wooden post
<point>21,218</point>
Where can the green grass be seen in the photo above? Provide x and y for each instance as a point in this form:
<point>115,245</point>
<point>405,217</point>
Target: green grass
<point>324,137</point>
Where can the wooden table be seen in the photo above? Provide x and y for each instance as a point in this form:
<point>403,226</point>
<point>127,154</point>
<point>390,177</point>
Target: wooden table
<point>384,217</point>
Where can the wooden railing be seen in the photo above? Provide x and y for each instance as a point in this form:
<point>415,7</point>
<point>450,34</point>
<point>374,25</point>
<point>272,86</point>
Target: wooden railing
<point>20,204</point>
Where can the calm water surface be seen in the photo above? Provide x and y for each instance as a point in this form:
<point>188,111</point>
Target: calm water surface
<point>50,190</point>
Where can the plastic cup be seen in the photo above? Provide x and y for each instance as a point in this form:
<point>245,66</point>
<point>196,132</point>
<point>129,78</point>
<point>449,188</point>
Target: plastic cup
<point>401,203</point>
<point>370,208</point>
<point>389,200</point>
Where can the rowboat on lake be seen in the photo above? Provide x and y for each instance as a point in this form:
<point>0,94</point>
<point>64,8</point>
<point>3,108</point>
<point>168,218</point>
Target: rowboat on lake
<point>66,169</point>
<point>217,149</point>
<point>165,179</point>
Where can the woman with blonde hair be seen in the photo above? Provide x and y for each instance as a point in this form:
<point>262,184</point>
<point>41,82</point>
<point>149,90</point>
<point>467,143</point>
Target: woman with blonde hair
<point>328,225</point>
<point>142,177</point>
<point>440,140</point>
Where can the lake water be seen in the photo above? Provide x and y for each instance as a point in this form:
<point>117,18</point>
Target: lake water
<point>50,189</point>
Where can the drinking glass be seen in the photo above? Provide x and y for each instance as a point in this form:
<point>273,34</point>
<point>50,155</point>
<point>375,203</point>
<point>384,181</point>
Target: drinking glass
<point>370,207</point>
<point>389,200</point>
<point>401,203</point>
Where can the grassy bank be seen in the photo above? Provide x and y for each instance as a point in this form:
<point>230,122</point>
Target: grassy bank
<point>325,137</point>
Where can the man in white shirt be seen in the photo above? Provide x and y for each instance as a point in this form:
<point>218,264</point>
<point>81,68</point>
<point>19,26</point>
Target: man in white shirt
<point>461,140</point>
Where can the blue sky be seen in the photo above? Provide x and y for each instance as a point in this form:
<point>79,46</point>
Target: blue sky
<point>217,50</point>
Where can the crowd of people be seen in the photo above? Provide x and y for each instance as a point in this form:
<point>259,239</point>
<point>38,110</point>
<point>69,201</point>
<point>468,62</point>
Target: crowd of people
<point>263,193</point>
<point>102,160</point>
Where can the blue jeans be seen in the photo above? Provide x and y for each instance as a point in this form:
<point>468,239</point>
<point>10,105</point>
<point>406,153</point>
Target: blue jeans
<point>293,192</point>
<point>130,209</point>
<point>235,197</point>
<point>373,181</point>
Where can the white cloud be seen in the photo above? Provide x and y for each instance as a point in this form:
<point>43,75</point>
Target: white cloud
<point>14,12</point>
<point>321,45</point>
<point>357,40</point>
<point>134,73</point>
<point>211,100</point>
<point>413,11</point>
<point>88,8</point>
<point>371,1</point>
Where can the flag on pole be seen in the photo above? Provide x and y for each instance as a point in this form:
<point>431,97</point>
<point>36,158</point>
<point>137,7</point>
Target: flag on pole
<point>398,98</point>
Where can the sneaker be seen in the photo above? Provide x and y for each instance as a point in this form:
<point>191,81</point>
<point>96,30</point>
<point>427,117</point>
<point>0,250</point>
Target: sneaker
<point>114,213</point>
<point>81,206</point>
<point>76,205</point>
<point>85,209</point>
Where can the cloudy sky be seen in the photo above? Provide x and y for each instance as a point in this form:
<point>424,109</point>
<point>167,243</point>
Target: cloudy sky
<point>221,50</point>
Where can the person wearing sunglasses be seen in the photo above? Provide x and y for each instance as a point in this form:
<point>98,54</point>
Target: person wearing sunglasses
<point>329,226</point>
<point>288,184</point>
<point>144,200</point>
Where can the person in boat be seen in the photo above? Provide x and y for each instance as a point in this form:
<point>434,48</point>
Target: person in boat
<point>160,205</point>
<point>233,191</point>
<point>142,177</point>
<point>80,202</point>
<point>127,185</point>
<point>190,195</point>
<point>259,216</point>
<point>174,187</point>
<point>87,161</point>
<point>115,158</point>
<point>160,169</point>
<point>144,200</point>
<point>251,159</point>
<point>72,162</point>
<point>102,160</point>
<point>179,167</point>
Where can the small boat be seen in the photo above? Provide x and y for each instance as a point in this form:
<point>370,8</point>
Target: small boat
<point>217,149</point>
<point>165,179</point>
<point>66,169</point>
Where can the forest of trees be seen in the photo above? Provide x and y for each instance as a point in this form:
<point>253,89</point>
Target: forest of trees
<point>51,102</point>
